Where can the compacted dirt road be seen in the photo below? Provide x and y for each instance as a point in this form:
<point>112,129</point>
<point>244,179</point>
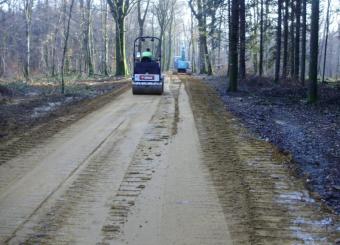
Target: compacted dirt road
<point>154,170</point>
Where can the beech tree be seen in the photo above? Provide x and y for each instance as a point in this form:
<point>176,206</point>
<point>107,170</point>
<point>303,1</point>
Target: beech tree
<point>326,41</point>
<point>141,15</point>
<point>297,39</point>
<point>285,40</point>
<point>233,46</point>
<point>261,38</point>
<point>86,22</point>
<point>28,6</point>
<point>242,14</point>
<point>200,14</point>
<point>105,54</point>
<point>119,10</point>
<point>303,41</point>
<point>278,42</point>
<point>314,47</point>
<point>66,35</point>
<point>164,11</point>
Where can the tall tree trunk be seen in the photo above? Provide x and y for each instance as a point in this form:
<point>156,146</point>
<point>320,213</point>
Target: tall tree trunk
<point>120,48</point>
<point>261,41</point>
<point>28,21</point>
<point>206,55</point>
<point>314,47</point>
<point>242,68</point>
<point>46,38</point>
<point>326,42</point>
<point>278,42</point>
<point>141,20</point>
<point>168,62</point>
<point>285,41</point>
<point>66,35</point>
<point>119,10</point>
<point>297,39</point>
<point>265,36</point>
<point>54,46</point>
<point>193,44</point>
<point>163,53</point>
<point>88,57</point>
<point>53,71</point>
<point>105,54</point>
<point>229,33</point>
<point>85,15</point>
<point>202,41</point>
<point>303,42</point>
<point>233,46</point>
<point>219,61</point>
<point>292,40</point>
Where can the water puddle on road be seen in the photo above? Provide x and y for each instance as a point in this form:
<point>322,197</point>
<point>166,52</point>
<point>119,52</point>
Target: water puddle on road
<point>262,202</point>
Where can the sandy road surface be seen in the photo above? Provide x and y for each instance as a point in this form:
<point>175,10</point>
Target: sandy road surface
<point>171,169</point>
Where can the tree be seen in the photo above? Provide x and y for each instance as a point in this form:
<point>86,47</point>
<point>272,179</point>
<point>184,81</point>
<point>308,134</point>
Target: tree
<point>278,42</point>
<point>28,6</point>
<point>297,39</point>
<point>233,46</point>
<point>200,15</point>
<point>292,39</point>
<point>119,10</point>
<point>105,55</point>
<point>66,35</point>
<point>285,41</point>
<point>86,15</point>
<point>193,44</point>
<point>261,40</point>
<point>303,41</point>
<point>242,70</point>
<point>314,47</point>
<point>211,8</point>
<point>164,14</point>
<point>170,33</point>
<point>141,19</point>
<point>54,43</point>
<point>326,42</point>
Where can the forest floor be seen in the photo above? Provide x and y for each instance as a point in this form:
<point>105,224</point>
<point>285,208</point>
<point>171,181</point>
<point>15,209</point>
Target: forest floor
<point>309,133</point>
<point>27,109</point>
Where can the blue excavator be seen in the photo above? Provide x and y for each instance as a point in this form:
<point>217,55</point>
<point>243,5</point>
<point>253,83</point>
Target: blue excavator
<point>181,64</point>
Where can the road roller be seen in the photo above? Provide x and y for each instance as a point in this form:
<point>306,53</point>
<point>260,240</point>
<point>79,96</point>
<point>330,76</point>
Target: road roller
<point>147,75</point>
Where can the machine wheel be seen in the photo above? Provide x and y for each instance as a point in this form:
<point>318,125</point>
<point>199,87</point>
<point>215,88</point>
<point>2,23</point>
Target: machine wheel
<point>162,89</point>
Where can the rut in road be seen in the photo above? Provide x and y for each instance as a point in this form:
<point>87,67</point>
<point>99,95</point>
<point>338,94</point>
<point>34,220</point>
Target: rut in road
<point>262,201</point>
<point>62,191</point>
<point>146,159</point>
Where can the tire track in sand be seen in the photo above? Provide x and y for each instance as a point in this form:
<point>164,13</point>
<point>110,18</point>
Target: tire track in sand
<point>263,202</point>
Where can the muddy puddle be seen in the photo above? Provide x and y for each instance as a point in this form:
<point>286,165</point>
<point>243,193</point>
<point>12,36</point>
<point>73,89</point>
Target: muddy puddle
<point>262,201</point>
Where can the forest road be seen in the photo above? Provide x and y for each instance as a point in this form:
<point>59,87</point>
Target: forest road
<point>158,170</point>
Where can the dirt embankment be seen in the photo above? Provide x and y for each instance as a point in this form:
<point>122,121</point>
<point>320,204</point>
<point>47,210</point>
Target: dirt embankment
<point>30,113</point>
<point>278,113</point>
